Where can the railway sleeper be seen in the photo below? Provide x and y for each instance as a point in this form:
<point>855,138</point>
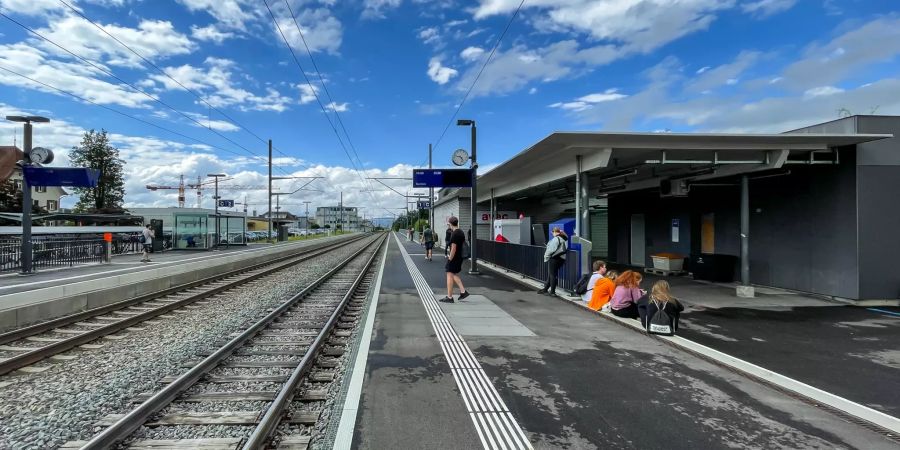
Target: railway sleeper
<point>216,418</point>
<point>312,395</point>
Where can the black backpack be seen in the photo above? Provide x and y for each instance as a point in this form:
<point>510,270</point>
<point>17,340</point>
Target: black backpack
<point>581,286</point>
<point>661,323</point>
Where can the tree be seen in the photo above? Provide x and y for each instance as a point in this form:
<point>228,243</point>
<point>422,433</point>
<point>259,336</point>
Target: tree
<point>314,226</point>
<point>10,197</point>
<point>95,152</point>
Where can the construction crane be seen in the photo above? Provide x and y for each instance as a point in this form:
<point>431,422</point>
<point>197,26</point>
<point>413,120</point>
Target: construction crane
<point>200,185</point>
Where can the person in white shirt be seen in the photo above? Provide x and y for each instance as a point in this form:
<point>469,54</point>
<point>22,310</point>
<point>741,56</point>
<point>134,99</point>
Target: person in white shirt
<point>599,272</point>
<point>148,235</point>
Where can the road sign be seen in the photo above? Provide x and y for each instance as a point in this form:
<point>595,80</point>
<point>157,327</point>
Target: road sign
<point>440,178</point>
<point>226,203</point>
<point>61,176</point>
<point>423,204</point>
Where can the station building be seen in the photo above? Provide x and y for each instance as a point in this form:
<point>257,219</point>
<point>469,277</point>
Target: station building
<point>816,209</point>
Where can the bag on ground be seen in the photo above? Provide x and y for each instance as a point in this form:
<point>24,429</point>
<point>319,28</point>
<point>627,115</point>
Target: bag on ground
<point>581,286</point>
<point>661,322</point>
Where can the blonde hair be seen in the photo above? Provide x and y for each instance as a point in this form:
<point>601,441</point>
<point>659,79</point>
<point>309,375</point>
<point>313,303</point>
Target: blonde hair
<point>661,292</point>
<point>612,275</point>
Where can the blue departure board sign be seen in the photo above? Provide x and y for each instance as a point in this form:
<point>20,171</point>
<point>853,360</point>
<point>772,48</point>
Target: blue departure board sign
<point>61,176</point>
<point>441,178</point>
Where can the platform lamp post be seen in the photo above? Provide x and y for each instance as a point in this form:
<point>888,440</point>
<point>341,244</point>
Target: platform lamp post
<point>473,268</point>
<point>307,217</point>
<point>26,246</point>
<point>216,177</point>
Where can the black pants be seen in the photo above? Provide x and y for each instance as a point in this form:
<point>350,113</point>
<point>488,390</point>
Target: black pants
<point>555,264</point>
<point>628,312</point>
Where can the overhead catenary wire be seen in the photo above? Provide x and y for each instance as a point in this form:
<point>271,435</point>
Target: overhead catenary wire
<point>164,73</point>
<point>483,66</point>
<point>315,95</point>
<point>124,114</point>
<point>130,85</point>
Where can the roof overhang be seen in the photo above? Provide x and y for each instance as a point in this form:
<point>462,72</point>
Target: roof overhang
<point>674,154</point>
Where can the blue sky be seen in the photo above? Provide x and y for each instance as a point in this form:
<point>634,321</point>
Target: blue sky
<point>397,69</point>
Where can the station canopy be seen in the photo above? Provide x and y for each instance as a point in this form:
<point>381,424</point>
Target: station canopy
<point>621,162</point>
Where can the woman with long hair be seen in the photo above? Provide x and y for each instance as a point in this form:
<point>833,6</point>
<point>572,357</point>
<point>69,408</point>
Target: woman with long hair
<point>555,257</point>
<point>628,291</point>
<point>660,298</point>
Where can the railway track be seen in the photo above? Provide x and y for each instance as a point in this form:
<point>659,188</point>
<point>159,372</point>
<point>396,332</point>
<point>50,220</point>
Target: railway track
<point>29,345</point>
<point>266,386</point>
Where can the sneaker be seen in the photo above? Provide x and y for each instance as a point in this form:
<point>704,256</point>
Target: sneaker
<point>542,291</point>
<point>447,300</point>
<point>463,295</point>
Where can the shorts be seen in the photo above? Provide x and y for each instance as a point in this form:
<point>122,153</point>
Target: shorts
<point>429,245</point>
<point>454,266</point>
<point>148,247</point>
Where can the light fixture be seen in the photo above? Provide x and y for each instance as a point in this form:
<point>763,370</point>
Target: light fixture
<point>617,187</point>
<point>559,189</point>
<point>464,122</point>
<point>619,174</point>
<point>696,173</point>
<point>522,198</point>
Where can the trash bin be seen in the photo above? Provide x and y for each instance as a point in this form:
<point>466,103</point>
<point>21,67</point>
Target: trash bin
<point>282,233</point>
<point>713,267</point>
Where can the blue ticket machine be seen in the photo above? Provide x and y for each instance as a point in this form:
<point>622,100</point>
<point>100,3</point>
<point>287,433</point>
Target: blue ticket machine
<point>568,226</point>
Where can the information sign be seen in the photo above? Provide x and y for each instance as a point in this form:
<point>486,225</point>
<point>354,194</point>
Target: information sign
<point>423,204</point>
<point>61,176</point>
<point>441,178</point>
<point>226,203</point>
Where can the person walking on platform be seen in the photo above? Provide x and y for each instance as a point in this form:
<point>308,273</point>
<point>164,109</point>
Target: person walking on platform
<point>555,257</point>
<point>628,291</point>
<point>147,236</point>
<point>447,240</point>
<point>428,239</point>
<point>454,261</point>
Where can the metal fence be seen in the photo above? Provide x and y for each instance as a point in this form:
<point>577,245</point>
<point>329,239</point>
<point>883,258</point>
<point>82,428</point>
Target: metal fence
<point>63,252</point>
<point>528,260</point>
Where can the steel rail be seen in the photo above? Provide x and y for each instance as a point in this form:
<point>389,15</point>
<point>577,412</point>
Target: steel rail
<point>134,419</point>
<point>267,425</point>
<point>41,353</point>
<point>43,327</point>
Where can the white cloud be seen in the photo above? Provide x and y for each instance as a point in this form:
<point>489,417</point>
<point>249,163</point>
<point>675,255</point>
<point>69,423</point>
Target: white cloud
<point>374,9</point>
<point>32,7</point>
<point>472,53</point>
<point>765,8</point>
<point>639,25</point>
<point>725,74</point>
<point>232,14</point>
<point>323,31</point>
<point>219,88</point>
<point>703,69</point>
<point>307,93</point>
<point>533,91</point>
<point>588,101</point>
<point>430,35</point>
<point>206,122</point>
<point>438,73</point>
<point>152,39</point>
<point>339,107</point>
<point>210,33</point>
<point>822,91</point>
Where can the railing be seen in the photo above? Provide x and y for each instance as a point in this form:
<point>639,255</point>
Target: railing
<point>65,252</point>
<point>528,260</point>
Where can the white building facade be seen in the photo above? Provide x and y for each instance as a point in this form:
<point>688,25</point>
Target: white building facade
<point>332,217</point>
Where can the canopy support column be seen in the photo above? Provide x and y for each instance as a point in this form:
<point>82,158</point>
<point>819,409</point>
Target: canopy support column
<point>745,289</point>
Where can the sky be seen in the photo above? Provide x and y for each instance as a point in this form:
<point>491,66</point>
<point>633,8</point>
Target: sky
<point>190,87</point>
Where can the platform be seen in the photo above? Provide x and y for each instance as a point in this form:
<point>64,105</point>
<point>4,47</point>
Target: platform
<point>52,293</point>
<point>474,373</point>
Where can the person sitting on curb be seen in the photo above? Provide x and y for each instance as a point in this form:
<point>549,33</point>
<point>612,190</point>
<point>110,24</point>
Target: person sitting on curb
<point>659,310</point>
<point>624,300</point>
<point>599,270</point>
<point>603,290</point>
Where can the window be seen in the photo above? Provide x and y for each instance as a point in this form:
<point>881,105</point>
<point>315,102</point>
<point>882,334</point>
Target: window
<point>18,184</point>
<point>52,205</point>
<point>40,189</point>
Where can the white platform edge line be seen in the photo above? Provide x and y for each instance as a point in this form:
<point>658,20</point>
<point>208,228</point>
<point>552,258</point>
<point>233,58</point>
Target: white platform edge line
<point>344,437</point>
<point>468,384</point>
<point>784,382</point>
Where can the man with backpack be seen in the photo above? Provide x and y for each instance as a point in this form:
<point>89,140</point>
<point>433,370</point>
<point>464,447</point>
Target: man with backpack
<point>428,239</point>
<point>585,285</point>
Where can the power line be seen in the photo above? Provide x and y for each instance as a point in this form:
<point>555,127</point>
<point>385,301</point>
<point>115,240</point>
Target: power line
<point>315,94</point>
<point>483,66</point>
<point>76,96</point>
<point>135,88</point>
<point>158,69</point>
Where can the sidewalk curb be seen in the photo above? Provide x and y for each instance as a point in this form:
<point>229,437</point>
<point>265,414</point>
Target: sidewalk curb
<point>844,408</point>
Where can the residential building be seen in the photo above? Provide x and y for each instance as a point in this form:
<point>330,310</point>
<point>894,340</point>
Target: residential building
<point>331,217</point>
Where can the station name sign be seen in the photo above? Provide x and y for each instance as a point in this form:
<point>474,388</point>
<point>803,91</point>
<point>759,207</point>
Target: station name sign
<point>441,178</point>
